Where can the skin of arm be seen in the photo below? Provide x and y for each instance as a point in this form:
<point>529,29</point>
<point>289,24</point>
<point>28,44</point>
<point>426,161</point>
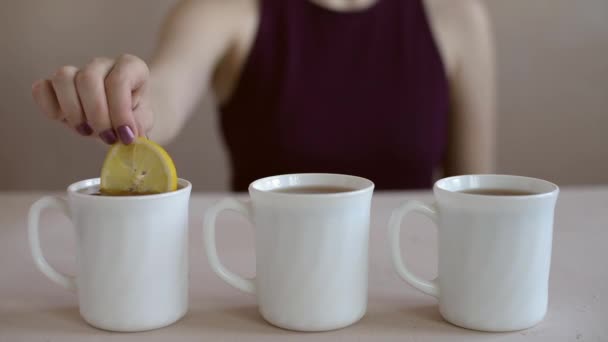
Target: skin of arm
<point>466,42</point>
<point>472,135</point>
<point>194,39</point>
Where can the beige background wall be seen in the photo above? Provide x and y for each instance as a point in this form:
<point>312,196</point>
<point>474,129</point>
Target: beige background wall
<point>553,83</point>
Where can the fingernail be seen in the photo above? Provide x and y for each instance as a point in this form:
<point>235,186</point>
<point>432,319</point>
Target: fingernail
<point>84,129</point>
<point>108,136</point>
<point>126,134</point>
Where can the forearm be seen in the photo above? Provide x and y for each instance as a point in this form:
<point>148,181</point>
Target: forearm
<point>192,41</point>
<point>472,127</point>
<point>172,100</point>
<point>472,148</point>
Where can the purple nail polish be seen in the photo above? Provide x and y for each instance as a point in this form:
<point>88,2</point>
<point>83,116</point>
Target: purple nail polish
<point>84,129</point>
<point>108,136</point>
<point>126,134</point>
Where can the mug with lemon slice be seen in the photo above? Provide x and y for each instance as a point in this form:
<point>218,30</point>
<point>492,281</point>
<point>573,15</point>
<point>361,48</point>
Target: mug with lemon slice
<point>132,240</point>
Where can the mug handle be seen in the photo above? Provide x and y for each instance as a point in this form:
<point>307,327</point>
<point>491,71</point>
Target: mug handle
<point>394,229</point>
<point>243,208</point>
<point>67,281</point>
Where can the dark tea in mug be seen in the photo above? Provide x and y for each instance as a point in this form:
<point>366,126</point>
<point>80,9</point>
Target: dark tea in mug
<point>498,192</point>
<point>313,189</point>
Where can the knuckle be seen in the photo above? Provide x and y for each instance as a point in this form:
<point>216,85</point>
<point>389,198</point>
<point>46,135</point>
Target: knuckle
<point>129,58</point>
<point>116,79</point>
<point>86,77</point>
<point>64,73</point>
<point>133,62</point>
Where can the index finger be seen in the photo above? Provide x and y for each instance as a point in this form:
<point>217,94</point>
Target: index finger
<point>128,75</point>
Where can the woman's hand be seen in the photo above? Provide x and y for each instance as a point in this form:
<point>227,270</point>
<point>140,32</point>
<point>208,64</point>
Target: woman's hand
<point>106,98</point>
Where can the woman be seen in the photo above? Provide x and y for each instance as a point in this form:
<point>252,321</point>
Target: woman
<point>391,90</point>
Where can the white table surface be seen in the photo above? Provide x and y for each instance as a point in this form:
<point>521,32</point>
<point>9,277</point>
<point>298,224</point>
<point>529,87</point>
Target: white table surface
<point>34,309</point>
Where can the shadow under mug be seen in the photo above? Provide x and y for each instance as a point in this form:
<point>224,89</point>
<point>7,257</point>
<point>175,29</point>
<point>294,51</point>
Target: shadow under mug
<point>132,255</point>
<point>311,250</point>
<point>494,250</point>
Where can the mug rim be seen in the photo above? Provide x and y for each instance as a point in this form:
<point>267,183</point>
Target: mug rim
<point>368,185</point>
<point>73,190</point>
<point>440,187</point>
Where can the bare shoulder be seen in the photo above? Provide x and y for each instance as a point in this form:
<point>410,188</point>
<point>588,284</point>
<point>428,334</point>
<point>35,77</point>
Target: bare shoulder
<point>465,14</point>
<point>239,17</point>
<point>459,27</point>
<point>199,33</point>
<point>216,7</point>
<point>212,16</point>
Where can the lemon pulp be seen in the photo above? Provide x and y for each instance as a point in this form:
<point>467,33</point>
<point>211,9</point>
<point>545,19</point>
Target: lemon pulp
<point>142,167</point>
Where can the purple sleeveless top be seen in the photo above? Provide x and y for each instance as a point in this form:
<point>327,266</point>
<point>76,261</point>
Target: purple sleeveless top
<point>361,93</point>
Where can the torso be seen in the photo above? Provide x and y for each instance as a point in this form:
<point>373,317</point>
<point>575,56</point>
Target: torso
<point>394,148</point>
<point>229,69</point>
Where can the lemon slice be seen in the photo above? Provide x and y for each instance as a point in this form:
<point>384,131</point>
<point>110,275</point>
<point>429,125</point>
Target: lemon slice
<point>142,167</point>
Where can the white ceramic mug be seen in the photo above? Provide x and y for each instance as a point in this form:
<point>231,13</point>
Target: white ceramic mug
<point>494,251</point>
<point>312,250</point>
<point>132,255</point>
